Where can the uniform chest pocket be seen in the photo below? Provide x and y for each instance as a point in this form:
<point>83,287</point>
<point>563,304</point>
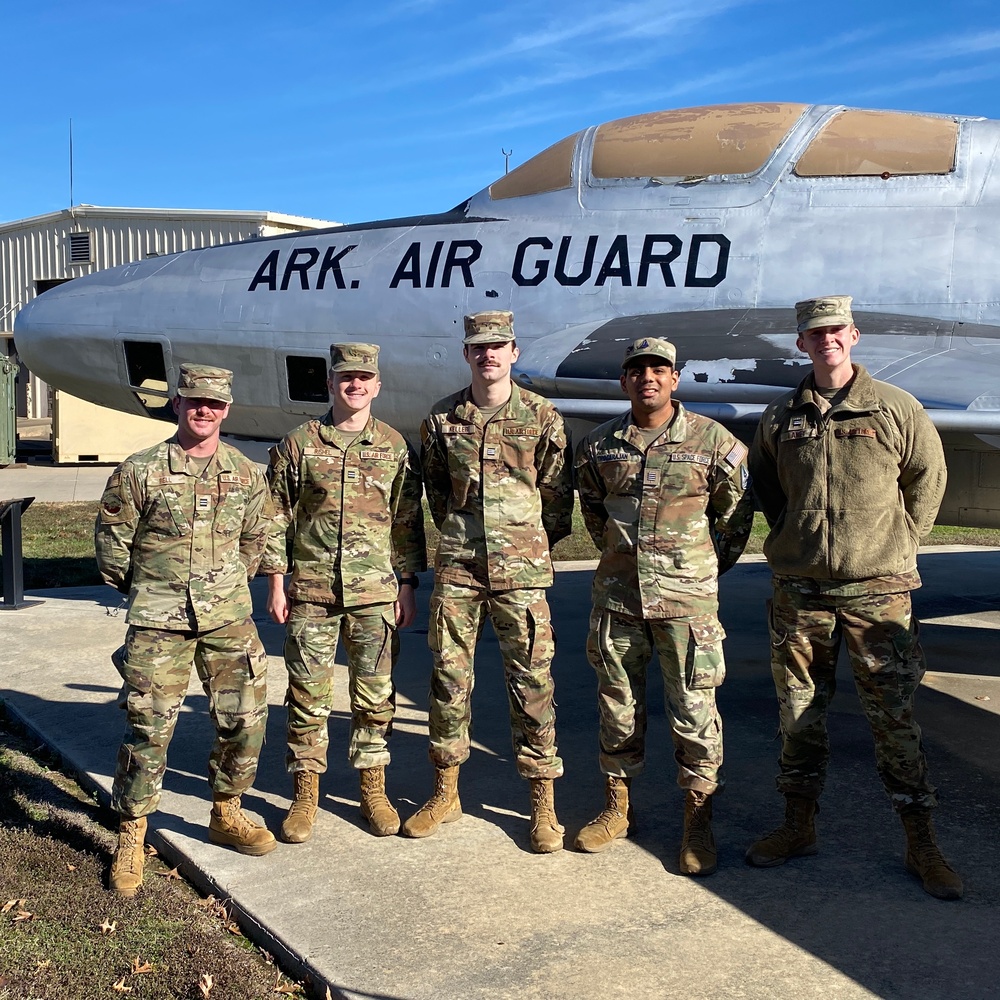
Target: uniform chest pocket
<point>620,476</point>
<point>683,474</point>
<point>376,474</point>
<point>518,452</point>
<point>164,514</point>
<point>230,508</point>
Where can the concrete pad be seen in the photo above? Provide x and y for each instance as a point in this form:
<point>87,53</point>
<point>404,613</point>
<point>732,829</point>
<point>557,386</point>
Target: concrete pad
<point>470,913</point>
<point>54,483</point>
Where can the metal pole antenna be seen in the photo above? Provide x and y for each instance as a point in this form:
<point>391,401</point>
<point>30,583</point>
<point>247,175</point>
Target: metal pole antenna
<point>506,158</point>
<point>71,163</point>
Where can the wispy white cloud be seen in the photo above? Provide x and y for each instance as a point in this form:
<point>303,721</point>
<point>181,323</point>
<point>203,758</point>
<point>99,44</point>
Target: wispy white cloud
<point>934,81</point>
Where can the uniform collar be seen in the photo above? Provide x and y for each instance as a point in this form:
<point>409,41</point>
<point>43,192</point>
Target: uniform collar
<point>467,410</point>
<point>673,433</point>
<point>861,396</point>
<point>178,457</point>
<point>329,434</point>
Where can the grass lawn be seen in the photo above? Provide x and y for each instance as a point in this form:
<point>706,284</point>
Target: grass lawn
<point>64,936</point>
<point>59,549</point>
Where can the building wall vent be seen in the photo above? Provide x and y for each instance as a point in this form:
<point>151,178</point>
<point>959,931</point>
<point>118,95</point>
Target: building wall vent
<point>79,248</point>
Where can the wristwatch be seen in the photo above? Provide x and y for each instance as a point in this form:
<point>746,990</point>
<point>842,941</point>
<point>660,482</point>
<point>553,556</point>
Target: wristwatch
<point>409,581</point>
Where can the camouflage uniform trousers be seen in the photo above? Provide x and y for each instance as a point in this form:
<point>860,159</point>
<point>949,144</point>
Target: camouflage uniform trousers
<point>888,664</point>
<point>372,646</point>
<point>523,626</point>
<point>156,667</point>
<point>619,648</point>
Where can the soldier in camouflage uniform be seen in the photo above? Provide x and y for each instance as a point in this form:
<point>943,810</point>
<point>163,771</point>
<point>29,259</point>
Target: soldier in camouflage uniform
<point>181,529</point>
<point>499,484</point>
<point>663,495</point>
<point>347,491</point>
<point>849,473</point>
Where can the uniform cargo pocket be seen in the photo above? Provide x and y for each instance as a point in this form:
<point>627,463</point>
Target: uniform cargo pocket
<point>705,666</point>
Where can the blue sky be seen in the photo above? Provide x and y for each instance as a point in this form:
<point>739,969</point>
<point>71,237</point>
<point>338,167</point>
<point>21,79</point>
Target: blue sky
<point>354,111</point>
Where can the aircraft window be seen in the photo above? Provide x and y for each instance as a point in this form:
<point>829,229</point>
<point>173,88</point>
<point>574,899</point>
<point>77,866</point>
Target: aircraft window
<point>550,170</point>
<point>146,369</point>
<point>307,379</point>
<point>880,144</point>
<point>693,142</point>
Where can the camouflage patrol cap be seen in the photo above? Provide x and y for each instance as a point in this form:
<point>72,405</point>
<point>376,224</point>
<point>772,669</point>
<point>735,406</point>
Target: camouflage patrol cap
<point>651,347</point>
<point>493,327</point>
<point>205,382</point>
<point>830,310</point>
<point>354,358</point>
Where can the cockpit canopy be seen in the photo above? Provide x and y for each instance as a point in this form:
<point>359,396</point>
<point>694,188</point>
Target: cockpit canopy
<point>735,141</point>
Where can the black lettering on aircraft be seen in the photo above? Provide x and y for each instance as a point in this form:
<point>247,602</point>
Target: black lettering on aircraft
<point>529,269</point>
<point>619,253</point>
<point>541,266</point>
<point>331,263</point>
<point>452,260</point>
<point>586,268</point>
<point>649,258</point>
<point>532,269</point>
<point>295,266</point>
<point>433,265</point>
<point>408,267</point>
<point>267,273</point>
<point>691,278</point>
<point>300,260</point>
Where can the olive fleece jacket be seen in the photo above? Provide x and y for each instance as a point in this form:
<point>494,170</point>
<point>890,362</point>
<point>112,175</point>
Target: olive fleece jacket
<point>848,489</point>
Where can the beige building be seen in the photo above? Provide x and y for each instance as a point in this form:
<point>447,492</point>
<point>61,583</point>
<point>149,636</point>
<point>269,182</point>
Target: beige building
<point>43,251</point>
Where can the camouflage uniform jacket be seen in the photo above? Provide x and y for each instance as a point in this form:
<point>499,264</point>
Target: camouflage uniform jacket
<point>500,492</point>
<point>668,518</point>
<point>354,513</point>
<point>183,546</point>
<point>848,489</point>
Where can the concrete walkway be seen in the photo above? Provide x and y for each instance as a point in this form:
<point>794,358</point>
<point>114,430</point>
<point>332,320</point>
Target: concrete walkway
<point>471,913</point>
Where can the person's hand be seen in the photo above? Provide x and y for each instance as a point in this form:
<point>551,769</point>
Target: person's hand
<point>406,607</point>
<point>277,598</point>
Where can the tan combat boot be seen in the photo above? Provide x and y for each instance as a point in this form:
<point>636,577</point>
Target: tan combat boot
<point>375,806</point>
<point>924,858</point>
<point>442,807</point>
<point>612,824</point>
<point>698,853</point>
<point>126,869</point>
<point>297,826</point>
<point>546,830</point>
<point>232,827</point>
<point>795,838</point>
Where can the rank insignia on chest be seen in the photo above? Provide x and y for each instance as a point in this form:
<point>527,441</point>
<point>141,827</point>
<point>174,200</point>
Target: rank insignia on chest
<point>204,502</point>
<point>351,475</point>
<point>490,451</point>
<point>796,423</point>
<point>651,477</point>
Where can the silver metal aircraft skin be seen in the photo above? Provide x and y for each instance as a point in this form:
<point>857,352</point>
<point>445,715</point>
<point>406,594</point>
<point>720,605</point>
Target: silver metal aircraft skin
<point>587,262</point>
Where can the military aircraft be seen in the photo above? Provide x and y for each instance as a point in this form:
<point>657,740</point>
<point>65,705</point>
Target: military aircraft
<point>703,225</point>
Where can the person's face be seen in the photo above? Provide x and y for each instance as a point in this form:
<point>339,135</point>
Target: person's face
<point>829,346</point>
<point>200,419</point>
<point>649,384</point>
<point>491,362</point>
<point>353,391</point>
